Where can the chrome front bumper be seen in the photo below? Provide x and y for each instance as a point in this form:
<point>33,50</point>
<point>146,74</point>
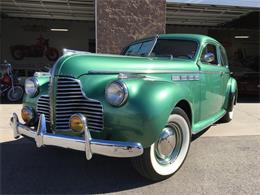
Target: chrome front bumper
<point>87,144</point>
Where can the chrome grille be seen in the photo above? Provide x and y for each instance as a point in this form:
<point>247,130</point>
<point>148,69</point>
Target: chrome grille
<point>43,107</point>
<point>70,100</point>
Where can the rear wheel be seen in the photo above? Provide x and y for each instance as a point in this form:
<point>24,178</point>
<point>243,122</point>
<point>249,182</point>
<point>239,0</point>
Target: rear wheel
<point>17,54</point>
<point>166,155</point>
<point>52,54</point>
<point>15,94</point>
<point>229,115</point>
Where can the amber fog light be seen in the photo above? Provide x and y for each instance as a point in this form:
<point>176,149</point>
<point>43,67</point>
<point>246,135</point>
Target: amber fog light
<point>27,114</point>
<point>78,122</point>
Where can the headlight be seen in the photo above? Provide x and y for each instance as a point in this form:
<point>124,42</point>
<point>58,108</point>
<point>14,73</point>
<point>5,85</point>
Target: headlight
<point>27,115</point>
<point>31,86</point>
<point>116,93</point>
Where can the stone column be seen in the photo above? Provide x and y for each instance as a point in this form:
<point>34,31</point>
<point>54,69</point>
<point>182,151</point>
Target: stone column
<point>119,22</point>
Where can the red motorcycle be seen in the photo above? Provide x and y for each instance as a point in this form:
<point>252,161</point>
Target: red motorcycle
<point>39,49</point>
<point>9,84</point>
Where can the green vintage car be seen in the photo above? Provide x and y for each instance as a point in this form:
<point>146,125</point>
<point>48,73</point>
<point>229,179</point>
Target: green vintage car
<point>144,104</point>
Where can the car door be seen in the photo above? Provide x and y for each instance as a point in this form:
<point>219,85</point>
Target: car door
<point>225,73</point>
<point>211,82</point>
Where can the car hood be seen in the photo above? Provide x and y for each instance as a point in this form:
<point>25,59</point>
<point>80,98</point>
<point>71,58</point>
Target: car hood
<point>76,65</point>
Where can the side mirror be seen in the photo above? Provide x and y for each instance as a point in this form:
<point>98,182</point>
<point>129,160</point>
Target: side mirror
<point>209,57</point>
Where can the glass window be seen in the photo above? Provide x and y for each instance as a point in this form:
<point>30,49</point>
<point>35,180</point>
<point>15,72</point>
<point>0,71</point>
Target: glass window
<point>224,59</point>
<point>139,49</point>
<point>209,49</point>
<point>175,48</point>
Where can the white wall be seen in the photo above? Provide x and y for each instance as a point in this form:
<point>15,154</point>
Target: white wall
<point>15,31</point>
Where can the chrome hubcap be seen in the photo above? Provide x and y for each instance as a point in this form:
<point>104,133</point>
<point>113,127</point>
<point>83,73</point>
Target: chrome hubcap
<point>168,146</point>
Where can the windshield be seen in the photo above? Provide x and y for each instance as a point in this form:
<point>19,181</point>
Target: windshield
<point>173,48</point>
<point>139,49</point>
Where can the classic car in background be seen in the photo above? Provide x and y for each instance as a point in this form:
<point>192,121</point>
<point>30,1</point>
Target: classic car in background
<point>248,77</point>
<point>144,104</point>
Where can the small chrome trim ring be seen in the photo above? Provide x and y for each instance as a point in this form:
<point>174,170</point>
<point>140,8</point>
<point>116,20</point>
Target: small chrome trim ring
<point>82,118</point>
<point>123,87</point>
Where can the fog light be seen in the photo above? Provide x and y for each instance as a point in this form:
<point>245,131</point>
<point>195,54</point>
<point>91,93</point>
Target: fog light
<point>27,114</point>
<point>78,122</point>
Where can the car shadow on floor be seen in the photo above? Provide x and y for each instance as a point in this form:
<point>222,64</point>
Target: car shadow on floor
<point>26,169</point>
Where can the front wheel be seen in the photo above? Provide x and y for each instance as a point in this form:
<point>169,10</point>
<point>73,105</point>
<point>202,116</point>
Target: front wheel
<point>165,156</point>
<point>15,94</point>
<point>52,54</point>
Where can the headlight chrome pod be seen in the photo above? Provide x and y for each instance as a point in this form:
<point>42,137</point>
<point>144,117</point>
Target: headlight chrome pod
<point>31,86</point>
<point>28,115</point>
<point>116,93</point>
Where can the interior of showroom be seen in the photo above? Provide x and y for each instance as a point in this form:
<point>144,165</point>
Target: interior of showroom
<point>35,32</point>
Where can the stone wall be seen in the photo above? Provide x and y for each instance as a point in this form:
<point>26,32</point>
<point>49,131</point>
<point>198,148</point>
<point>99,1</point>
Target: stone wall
<point>120,22</point>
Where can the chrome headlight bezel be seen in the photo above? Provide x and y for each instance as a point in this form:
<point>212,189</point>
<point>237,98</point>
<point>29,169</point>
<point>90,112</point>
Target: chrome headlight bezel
<point>31,86</point>
<point>121,88</point>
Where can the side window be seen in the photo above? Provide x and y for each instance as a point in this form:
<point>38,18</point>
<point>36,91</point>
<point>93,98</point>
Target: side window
<point>209,49</point>
<point>224,59</point>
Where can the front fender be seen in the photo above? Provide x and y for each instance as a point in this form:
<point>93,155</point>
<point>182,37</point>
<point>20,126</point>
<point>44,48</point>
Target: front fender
<point>146,112</point>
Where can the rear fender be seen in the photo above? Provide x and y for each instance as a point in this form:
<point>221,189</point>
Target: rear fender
<point>231,94</point>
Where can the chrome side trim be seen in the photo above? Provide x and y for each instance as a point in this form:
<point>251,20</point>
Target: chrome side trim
<point>142,72</point>
<point>153,72</point>
<point>87,144</point>
<point>185,77</point>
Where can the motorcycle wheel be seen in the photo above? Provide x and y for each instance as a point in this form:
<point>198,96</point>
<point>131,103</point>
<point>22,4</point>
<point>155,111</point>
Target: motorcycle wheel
<point>17,54</point>
<point>15,94</point>
<point>52,54</point>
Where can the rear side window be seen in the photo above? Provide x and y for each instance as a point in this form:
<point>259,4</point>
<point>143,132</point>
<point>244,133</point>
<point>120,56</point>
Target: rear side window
<point>224,59</point>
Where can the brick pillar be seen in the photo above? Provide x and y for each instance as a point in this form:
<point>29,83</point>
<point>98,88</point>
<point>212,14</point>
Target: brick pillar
<point>119,22</point>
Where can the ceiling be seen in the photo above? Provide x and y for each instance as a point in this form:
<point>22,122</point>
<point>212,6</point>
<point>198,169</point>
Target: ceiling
<point>50,9</point>
<point>177,13</point>
<point>203,15</point>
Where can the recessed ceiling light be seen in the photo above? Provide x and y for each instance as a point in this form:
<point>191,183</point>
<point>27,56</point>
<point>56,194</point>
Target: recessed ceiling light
<point>241,37</point>
<point>59,29</point>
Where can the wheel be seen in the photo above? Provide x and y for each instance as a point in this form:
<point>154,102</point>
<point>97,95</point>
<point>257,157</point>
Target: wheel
<point>229,114</point>
<point>15,94</point>
<point>52,54</point>
<point>17,54</point>
<point>166,155</point>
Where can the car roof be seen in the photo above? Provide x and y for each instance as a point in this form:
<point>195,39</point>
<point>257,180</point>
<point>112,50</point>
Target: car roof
<point>196,37</point>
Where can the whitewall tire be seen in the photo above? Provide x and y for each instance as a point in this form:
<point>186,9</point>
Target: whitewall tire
<point>167,154</point>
